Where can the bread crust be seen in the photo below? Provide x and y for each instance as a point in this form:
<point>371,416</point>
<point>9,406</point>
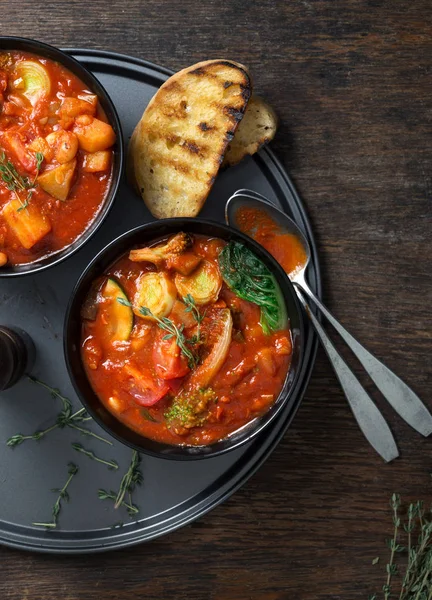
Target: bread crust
<point>178,145</point>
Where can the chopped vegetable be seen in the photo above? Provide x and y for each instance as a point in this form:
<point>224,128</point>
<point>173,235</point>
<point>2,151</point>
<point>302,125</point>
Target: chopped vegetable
<point>184,263</point>
<point>189,410</point>
<point>39,144</point>
<point>143,387</point>
<point>157,254</point>
<point>222,331</point>
<point>97,161</point>
<point>13,143</point>
<point>156,292</point>
<point>93,134</point>
<point>251,280</point>
<point>120,315</point>
<point>32,80</point>
<point>169,361</point>
<point>29,225</point>
<point>58,182</point>
<point>203,284</point>
<point>73,107</point>
<point>3,259</point>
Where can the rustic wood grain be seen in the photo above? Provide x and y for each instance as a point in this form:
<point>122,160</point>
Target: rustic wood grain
<point>351,81</point>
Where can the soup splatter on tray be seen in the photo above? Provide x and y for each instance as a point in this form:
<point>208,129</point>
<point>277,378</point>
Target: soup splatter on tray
<point>188,340</point>
<point>55,157</point>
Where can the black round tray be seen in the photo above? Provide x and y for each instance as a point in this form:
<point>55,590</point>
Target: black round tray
<point>172,493</point>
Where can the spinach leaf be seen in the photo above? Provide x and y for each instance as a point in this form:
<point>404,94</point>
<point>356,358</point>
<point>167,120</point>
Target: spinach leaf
<point>247,276</point>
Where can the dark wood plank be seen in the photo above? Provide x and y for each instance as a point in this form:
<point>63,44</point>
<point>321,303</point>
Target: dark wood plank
<point>351,82</point>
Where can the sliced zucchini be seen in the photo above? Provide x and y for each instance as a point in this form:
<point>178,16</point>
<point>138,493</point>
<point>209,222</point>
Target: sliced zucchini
<point>156,292</point>
<point>203,284</point>
<point>120,315</point>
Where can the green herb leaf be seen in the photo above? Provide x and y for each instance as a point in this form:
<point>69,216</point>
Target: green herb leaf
<point>251,280</point>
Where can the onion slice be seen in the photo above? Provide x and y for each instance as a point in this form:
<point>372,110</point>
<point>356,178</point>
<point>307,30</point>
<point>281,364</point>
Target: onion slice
<point>203,375</point>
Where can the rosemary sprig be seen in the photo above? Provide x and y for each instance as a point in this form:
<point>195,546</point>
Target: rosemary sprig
<point>65,418</point>
<point>131,508</point>
<point>416,581</point>
<point>111,464</point>
<point>62,495</point>
<point>192,308</point>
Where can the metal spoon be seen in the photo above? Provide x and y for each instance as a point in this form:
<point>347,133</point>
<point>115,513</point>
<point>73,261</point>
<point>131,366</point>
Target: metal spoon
<point>406,403</point>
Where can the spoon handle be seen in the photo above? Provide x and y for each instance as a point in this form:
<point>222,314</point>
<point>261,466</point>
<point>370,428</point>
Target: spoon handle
<point>369,418</point>
<point>404,401</point>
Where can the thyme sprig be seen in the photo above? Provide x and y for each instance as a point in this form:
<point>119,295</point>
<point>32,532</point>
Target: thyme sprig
<point>132,478</point>
<point>416,575</point>
<point>15,182</point>
<point>111,464</point>
<point>132,509</point>
<point>172,331</point>
<point>62,495</point>
<point>65,418</point>
<point>192,308</point>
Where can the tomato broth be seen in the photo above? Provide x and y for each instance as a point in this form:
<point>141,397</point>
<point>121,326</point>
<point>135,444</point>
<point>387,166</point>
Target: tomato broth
<point>55,157</point>
<point>138,369</point>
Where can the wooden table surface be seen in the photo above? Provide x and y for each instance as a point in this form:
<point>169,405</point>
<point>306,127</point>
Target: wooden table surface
<point>351,82</point>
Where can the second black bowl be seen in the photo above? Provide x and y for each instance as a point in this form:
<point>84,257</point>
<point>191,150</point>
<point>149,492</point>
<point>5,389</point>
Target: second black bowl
<point>46,51</point>
<point>145,235</point>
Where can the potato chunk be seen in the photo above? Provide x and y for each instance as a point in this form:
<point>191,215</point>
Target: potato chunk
<point>72,107</point>
<point>58,181</point>
<point>29,224</point>
<point>97,161</point>
<point>94,135</point>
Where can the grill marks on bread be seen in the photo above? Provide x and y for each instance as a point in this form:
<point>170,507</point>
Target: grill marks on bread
<point>178,145</point>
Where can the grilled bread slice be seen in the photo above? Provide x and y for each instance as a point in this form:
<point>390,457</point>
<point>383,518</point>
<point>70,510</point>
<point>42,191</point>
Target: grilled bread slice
<point>178,145</point>
<point>258,127</point>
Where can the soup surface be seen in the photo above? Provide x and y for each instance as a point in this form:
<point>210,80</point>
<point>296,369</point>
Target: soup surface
<point>55,157</point>
<point>171,348</point>
<point>285,247</point>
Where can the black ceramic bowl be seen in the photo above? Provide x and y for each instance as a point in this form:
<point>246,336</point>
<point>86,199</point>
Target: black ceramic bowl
<point>45,51</point>
<point>145,235</point>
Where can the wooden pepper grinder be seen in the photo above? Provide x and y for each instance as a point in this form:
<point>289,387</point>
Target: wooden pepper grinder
<point>17,354</point>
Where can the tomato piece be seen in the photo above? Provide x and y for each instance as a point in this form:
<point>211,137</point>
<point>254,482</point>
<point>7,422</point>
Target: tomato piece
<point>144,387</point>
<point>168,359</point>
<point>12,142</point>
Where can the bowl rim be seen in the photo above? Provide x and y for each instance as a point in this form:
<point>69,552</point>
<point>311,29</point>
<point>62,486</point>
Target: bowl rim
<point>179,452</point>
<point>37,47</point>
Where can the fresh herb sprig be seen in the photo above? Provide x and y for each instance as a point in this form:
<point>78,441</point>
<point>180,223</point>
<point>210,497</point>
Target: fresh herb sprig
<point>172,331</point>
<point>62,495</point>
<point>191,307</point>
<point>15,182</point>
<point>111,464</point>
<point>131,508</point>
<point>132,478</point>
<point>65,418</point>
<point>416,575</point>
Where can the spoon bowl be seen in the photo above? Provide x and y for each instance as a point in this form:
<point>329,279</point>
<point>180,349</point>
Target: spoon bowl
<point>403,400</point>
